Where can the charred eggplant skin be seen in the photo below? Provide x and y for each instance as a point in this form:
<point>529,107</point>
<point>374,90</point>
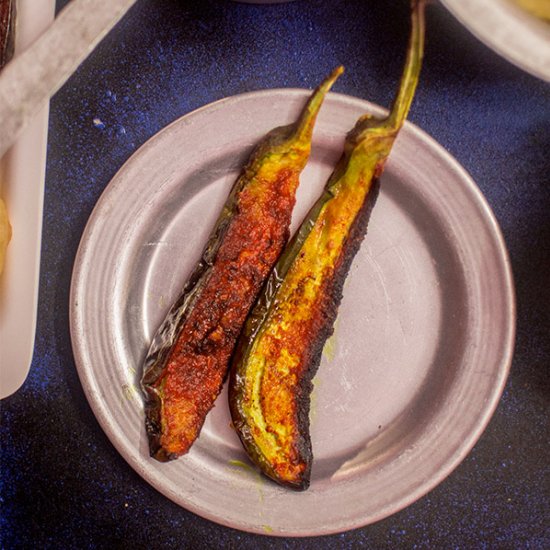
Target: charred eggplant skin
<point>280,347</point>
<point>7,30</point>
<point>189,356</point>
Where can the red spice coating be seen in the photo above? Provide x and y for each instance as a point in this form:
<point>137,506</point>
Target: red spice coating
<point>198,361</point>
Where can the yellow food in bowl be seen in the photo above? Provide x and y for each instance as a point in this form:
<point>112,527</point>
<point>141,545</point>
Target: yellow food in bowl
<point>538,8</point>
<point>5,233</point>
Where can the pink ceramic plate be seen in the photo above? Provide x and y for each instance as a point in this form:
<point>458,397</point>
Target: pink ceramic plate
<point>423,340</point>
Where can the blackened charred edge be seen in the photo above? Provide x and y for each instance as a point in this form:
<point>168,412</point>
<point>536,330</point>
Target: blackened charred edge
<point>331,298</point>
<point>235,397</point>
<point>153,434</point>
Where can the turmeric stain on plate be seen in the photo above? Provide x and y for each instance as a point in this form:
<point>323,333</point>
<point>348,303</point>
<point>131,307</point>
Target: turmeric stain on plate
<point>241,464</point>
<point>329,349</point>
<point>129,393</point>
<point>256,477</point>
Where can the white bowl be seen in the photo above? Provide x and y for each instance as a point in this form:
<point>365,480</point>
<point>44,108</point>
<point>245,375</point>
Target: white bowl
<point>510,31</point>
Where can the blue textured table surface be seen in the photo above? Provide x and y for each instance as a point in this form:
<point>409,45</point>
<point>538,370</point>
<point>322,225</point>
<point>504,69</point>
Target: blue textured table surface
<point>63,485</point>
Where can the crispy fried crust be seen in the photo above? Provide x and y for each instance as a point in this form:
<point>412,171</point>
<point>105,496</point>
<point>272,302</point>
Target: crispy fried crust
<point>196,365</point>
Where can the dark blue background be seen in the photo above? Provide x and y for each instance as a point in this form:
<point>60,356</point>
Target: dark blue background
<point>62,483</point>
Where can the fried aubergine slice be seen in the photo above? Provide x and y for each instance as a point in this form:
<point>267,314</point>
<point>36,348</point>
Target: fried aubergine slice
<point>189,356</point>
<point>280,347</point>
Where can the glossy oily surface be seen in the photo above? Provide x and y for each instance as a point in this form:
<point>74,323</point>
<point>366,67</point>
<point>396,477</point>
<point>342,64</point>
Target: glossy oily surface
<point>189,356</point>
<point>422,344</point>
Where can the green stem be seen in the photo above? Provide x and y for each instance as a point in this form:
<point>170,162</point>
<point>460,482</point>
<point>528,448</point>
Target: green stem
<point>409,78</point>
<point>305,124</point>
<point>411,73</point>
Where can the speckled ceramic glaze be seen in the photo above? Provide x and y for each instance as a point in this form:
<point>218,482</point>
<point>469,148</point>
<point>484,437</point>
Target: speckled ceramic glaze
<point>422,344</point>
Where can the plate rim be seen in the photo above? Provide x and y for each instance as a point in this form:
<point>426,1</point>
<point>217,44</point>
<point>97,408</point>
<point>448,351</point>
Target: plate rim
<point>100,409</point>
<point>508,47</point>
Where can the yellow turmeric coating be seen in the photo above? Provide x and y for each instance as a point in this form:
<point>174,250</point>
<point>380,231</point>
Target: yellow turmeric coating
<point>277,357</point>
